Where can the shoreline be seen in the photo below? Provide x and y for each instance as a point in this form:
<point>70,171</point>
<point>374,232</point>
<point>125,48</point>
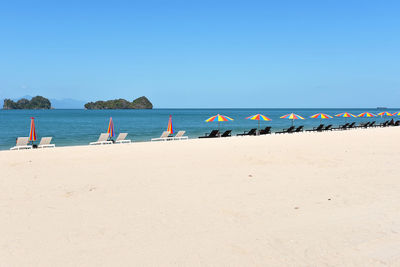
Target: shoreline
<point>280,200</point>
<point>218,138</point>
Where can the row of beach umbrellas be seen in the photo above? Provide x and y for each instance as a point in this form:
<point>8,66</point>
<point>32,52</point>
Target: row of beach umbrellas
<point>258,117</point>
<point>292,116</point>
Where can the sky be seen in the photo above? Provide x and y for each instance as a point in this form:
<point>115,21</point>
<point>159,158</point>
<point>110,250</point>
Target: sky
<point>204,53</point>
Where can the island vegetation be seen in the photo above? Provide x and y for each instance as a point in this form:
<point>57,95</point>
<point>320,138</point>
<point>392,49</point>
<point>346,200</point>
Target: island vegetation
<point>139,103</point>
<point>37,102</point>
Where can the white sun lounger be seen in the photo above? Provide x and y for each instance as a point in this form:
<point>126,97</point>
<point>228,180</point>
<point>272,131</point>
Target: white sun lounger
<point>121,139</point>
<point>179,136</point>
<point>163,137</point>
<point>22,143</point>
<point>102,140</point>
<point>45,142</point>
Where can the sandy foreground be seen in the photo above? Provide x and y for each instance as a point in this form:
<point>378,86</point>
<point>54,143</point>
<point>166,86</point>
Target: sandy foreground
<point>312,199</point>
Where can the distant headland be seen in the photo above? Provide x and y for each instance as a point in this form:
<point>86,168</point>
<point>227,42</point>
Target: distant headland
<point>139,103</point>
<point>37,102</point>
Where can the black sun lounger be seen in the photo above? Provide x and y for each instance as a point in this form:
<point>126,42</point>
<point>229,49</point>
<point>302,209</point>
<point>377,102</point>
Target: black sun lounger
<point>298,129</point>
<point>214,133</point>
<point>251,132</point>
<point>342,127</point>
<point>319,128</point>
<point>364,125</point>
<point>351,126</point>
<point>288,130</point>
<point>226,133</point>
<point>385,124</point>
<point>267,130</point>
<point>328,128</point>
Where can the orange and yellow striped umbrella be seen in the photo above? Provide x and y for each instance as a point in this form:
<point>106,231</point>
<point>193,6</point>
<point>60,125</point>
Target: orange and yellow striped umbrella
<point>219,118</point>
<point>321,116</point>
<point>366,115</point>
<point>170,127</point>
<point>346,115</point>
<point>110,129</point>
<point>258,117</point>
<point>385,113</point>
<point>32,131</point>
<point>292,116</point>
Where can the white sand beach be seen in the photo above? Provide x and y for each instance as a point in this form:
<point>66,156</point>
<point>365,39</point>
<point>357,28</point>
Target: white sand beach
<point>309,199</point>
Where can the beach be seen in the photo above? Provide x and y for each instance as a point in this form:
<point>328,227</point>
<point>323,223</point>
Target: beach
<point>306,199</point>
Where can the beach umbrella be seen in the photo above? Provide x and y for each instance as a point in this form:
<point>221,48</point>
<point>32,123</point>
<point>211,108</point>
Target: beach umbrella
<point>219,118</point>
<point>366,115</point>
<point>321,116</point>
<point>292,117</point>
<point>396,113</point>
<point>258,117</point>
<point>170,127</point>
<point>110,130</point>
<point>385,113</point>
<point>32,131</point>
<point>346,115</point>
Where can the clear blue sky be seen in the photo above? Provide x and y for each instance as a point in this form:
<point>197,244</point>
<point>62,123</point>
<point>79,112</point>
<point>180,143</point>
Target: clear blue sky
<point>216,53</point>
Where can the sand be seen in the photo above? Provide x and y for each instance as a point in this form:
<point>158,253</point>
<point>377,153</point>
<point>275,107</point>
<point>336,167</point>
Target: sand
<point>310,199</point>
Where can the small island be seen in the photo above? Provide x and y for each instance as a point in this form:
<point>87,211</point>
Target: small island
<point>139,103</point>
<point>37,102</point>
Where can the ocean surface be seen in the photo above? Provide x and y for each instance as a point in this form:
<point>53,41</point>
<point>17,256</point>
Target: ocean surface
<point>79,127</point>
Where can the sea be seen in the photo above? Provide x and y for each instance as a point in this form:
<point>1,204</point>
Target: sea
<point>74,127</point>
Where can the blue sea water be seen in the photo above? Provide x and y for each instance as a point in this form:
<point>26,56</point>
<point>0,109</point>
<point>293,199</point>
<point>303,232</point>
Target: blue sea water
<point>79,127</point>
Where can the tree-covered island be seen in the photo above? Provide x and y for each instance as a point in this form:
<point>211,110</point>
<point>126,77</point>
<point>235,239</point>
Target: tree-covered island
<point>139,103</point>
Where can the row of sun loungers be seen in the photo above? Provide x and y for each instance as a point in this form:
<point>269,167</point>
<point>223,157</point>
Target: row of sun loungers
<point>253,131</point>
<point>165,136</point>
<point>216,133</point>
<point>292,129</point>
<point>103,139</point>
<point>22,143</point>
<point>45,142</point>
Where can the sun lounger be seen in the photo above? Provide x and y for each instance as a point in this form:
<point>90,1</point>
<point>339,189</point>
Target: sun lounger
<point>251,132</point>
<point>328,128</point>
<point>121,139</point>
<point>391,122</point>
<point>180,136</point>
<point>397,123</point>
<point>45,142</point>
<point>226,133</point>
<point>384,124</point>
<point>164,137</point>
<point>213,134</point>
<point>372,124</point>
<point>102,140</point>
<point>288,130</point>
<point>317,129</point>
<point>351,126</point>
<point>298,129</point>
<point>364,125</point>
<point>267,130</point>
<point>341,127</point>
<point>22,143</point>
